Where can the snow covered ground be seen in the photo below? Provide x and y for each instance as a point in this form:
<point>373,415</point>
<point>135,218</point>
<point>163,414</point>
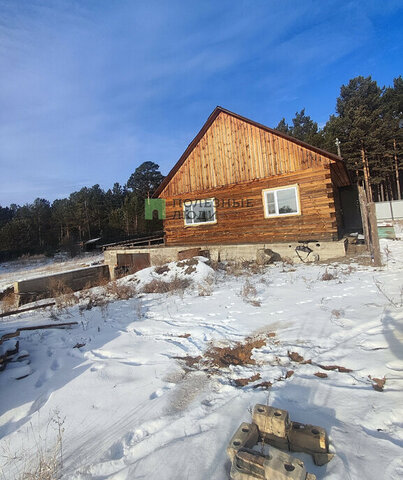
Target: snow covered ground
<point>132,410</point>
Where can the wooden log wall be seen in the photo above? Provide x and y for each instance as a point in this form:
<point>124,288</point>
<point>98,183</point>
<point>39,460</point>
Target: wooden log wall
<point>248,224</point>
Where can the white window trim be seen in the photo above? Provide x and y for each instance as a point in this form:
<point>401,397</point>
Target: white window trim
<point>211,222</point>
<point>265,206</point>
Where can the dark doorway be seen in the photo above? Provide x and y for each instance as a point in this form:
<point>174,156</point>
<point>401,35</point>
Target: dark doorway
<point>350,207</point>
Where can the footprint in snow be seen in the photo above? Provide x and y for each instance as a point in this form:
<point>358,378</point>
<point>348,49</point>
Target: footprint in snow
<point>40,402</point>
<point>56,364</point>
<point>44,377</point>
<point>158,393</point>
<point>395,365</point>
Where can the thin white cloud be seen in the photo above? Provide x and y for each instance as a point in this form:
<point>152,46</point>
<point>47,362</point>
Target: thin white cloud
<point>88,91</point>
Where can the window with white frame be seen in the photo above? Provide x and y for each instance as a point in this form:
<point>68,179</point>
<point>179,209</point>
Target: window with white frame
<point>281,201</point>
<point>199,212</point>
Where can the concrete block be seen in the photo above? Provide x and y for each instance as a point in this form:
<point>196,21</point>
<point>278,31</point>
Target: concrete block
<point>249,465</point>
<point>307,438</point>
<point>281,466</point>
<point>322,458</point>
<point>273,424</point>
<point>276,429</point>
<point>247,436</point>
<point>190,253</point>
<point>43,287</point>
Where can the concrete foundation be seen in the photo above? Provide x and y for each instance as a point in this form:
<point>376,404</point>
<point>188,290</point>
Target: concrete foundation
<point>45,287</point>
<point>240,252</point>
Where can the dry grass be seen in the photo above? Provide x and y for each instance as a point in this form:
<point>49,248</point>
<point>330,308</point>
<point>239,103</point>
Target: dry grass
<point>63,294</point>
<point>335,367</point>
<point>204,290</point>
<point>328,276</point>
<point>9,302</point>
<point>217,357</point>
<point>296,357</point>
<point>46,468</point>
<point>47,462</point>
<point>215,265</point>
<point>175,285</point>
<point>57,288</point>
<point>188,265</point>
<point>242,268</point>
<point>160,270</point>
<point>396,302</point>
<point>335,313</point>
<point>67,300</point>
<point>249,293</point>
<point>28,258</point>
<point>378,384</point>
<point>234,268</point>
<point>242,382</point>
<point>120,291</point>
<point>94,299</point>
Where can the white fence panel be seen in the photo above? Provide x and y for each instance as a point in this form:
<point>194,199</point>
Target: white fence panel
<point>389,211</point>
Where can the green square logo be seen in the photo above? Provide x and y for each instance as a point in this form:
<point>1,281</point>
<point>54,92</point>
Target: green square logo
<point>152,205</point>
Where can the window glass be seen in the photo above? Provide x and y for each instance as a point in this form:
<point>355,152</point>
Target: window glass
<point>200,211</point>
<point>271,204</point>
<point>189,215</point>
<point>283,201</point>
<point>287,201</point>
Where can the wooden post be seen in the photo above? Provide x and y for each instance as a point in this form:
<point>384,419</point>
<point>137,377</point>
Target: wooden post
<point>399,195</point>
<point>368,187</point>
<point>374,239</point>
<point>364,214</point>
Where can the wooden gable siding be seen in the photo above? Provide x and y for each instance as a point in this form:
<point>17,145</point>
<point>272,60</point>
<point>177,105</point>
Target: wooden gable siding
<point>247,224</point>
<point>233,151</point>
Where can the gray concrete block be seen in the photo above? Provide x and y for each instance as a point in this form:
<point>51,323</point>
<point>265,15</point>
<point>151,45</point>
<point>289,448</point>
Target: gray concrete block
<point>271,422</point>
<point>322,458</point>
<point>247,436</point>
<point>307,438</point>
<point>247,465</point>
<point>250,465</point>
<point>281,466</point>
<point>276,429</point>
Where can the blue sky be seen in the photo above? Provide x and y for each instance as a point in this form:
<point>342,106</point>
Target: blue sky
<point>90,89</point>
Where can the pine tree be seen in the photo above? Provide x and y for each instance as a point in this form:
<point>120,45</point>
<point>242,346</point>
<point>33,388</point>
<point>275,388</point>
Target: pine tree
<point>392,132</point>
<point>283,126</point>
<point>303,128</point>
<point>356,125</point>
<point>145,179</point>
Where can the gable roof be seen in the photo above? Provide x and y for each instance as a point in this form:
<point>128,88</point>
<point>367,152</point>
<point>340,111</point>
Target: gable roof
<point>207,125</point>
